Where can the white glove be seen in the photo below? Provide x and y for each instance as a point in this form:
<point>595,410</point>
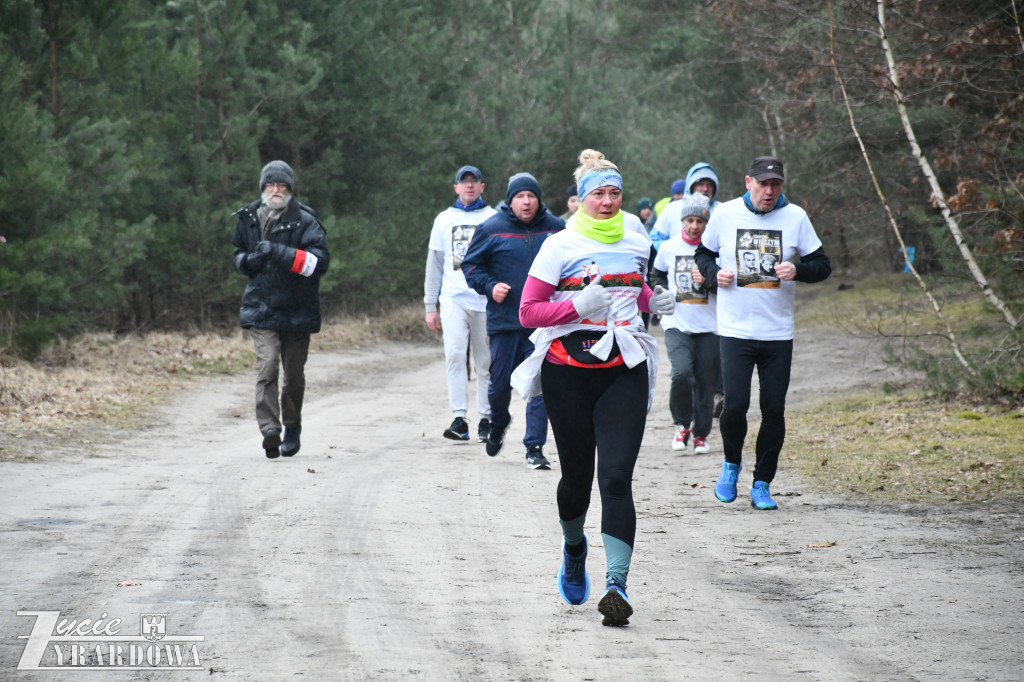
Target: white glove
<point>662,302</point>
<point>591,299</point>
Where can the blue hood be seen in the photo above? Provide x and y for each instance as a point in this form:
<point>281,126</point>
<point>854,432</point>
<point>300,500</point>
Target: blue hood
<point>702,171</point>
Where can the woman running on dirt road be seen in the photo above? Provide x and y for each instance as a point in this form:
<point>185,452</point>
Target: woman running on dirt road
<point>595,364</point>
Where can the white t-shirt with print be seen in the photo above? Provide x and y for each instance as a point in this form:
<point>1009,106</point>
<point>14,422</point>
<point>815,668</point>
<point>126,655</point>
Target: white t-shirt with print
<point>452,231</point>
<point>571,261</point>
<point>757,306</point>
<point>695,307</point>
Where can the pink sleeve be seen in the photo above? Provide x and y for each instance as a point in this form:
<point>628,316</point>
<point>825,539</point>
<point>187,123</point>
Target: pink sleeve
<point>643,301</point>
<point>537,310</point>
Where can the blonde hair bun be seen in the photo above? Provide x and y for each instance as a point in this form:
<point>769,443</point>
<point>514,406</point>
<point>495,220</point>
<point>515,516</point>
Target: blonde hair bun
<point>591,160</point>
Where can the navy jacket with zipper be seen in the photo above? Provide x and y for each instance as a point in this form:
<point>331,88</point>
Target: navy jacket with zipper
<point>502,250</point>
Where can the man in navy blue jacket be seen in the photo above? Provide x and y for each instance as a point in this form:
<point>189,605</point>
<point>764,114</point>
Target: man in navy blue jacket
<point>496,265</point>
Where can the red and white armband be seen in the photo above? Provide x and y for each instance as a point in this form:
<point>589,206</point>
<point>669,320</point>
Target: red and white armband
<point>304,263</point>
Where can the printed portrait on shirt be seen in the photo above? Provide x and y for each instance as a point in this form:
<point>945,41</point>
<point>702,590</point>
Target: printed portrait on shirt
<point>461,236</point>
<point>757,253</point>
<point>686,290</point>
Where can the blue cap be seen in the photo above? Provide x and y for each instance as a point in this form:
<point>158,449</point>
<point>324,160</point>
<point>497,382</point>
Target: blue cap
<point>679,186</point>
<point>468,169</point>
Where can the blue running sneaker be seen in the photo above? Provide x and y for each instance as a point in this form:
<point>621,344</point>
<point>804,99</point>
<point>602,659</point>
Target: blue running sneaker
<point>614,604</point>
<point>573,581</point>
<point>761,497</point>
<point>725,487</point>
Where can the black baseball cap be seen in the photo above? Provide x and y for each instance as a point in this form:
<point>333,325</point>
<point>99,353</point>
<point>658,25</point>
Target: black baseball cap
<point>766,168</point>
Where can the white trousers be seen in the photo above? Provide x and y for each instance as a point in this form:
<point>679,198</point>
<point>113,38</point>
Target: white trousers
<point>460,328</point>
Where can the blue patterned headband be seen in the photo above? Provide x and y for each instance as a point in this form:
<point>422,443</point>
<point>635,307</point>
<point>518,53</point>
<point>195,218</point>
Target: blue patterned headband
<point>600,178</point>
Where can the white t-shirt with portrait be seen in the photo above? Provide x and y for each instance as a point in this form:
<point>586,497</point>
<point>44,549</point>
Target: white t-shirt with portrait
<point>452,231</point>
<point>695,307</point>
<point>756,305</point>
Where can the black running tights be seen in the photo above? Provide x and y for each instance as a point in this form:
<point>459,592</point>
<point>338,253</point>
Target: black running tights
<point>599,412</point>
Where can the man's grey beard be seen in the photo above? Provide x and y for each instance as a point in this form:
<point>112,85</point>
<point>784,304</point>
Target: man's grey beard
<point>275,204</point>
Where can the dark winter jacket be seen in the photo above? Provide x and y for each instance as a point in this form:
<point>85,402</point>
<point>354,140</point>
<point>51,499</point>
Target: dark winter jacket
<point>284,292</point>
<point>502,250</point>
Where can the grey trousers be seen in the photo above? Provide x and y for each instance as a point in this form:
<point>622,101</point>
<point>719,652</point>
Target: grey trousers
<point>695,362</point>
<point>277,350</point>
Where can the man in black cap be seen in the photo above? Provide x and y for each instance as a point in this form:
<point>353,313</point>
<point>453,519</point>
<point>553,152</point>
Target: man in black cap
<point>281,247</point>
<point>499,258</point>
<point>755,316</point>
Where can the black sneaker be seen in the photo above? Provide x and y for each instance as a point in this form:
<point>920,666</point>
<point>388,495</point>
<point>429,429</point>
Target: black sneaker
<point>535,458</point>
<point>291,443</point>
<point>459,430</point>
<point>495,439</point>
<point>272,443</point>
<point>483,429</point>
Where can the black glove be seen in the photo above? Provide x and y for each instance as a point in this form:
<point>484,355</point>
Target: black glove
<point>255,261</point>
<point>277,253</point>
<point>264,248</point>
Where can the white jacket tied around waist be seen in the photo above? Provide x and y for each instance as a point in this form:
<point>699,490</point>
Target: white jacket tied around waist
<point>635,344</point>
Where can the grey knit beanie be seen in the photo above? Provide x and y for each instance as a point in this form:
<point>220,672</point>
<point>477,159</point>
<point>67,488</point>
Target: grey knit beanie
<point>695,205</point>
<point>277,171</point>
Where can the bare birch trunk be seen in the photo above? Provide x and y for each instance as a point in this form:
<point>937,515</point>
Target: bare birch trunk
<point>950,335</point>
<point>926,169</point>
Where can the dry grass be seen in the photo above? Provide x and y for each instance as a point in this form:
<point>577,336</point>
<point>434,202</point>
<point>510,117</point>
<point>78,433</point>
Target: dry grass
<point>102,379</point>
<point>895,444</point>
<point>909,449</point>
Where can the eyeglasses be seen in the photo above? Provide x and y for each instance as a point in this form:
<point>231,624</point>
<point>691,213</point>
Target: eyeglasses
<point>275,186</point>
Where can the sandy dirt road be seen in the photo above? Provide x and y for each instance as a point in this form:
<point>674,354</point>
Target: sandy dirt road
<point>384,552</point>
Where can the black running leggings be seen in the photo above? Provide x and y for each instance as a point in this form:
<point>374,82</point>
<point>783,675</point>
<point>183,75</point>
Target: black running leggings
<point>602,412</point>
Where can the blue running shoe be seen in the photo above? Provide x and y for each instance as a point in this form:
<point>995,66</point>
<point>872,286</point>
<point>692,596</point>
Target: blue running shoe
<point>761,497</point>
<point>614,604</point>
<point>573,581</point>
<point>725,487</point>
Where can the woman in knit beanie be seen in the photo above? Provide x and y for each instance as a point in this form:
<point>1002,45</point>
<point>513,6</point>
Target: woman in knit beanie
<point>595,365</point>
<point>691,331</point>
